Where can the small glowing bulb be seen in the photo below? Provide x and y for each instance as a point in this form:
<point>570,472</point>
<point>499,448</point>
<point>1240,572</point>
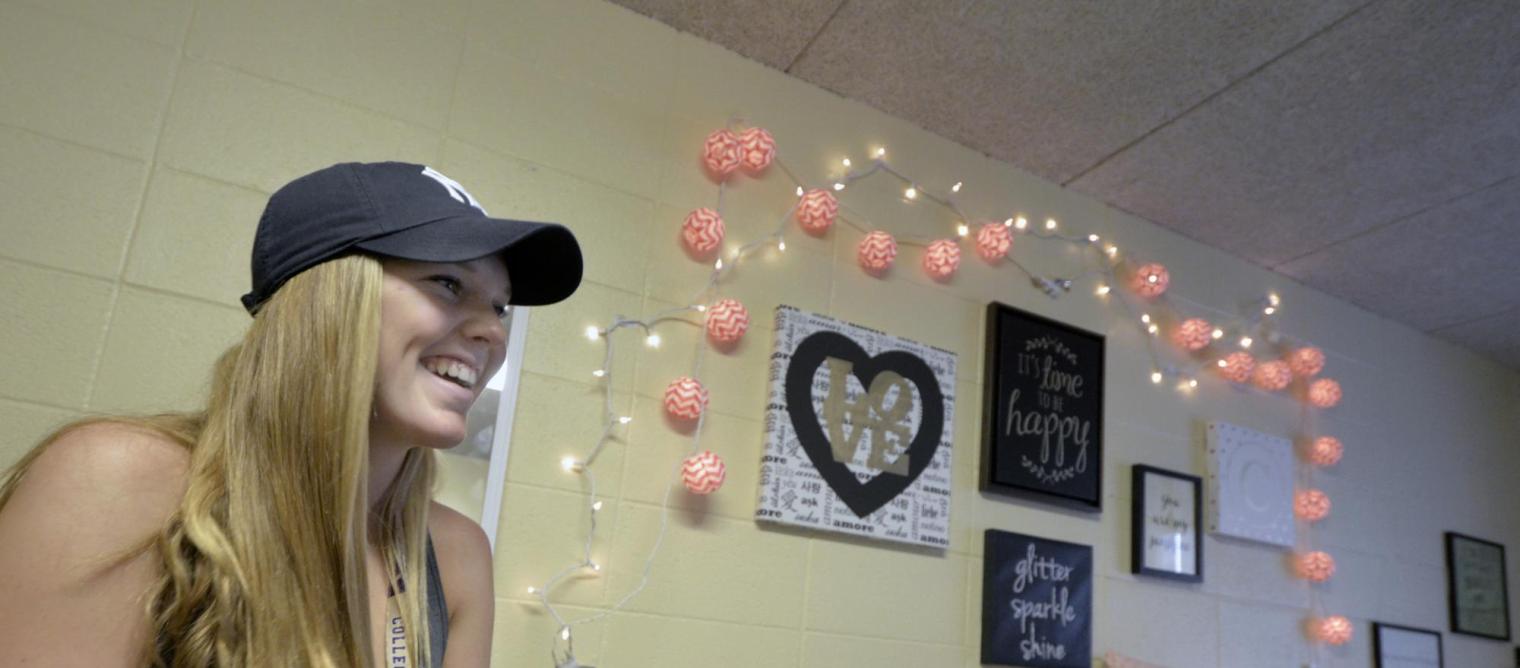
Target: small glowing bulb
<point>564,634</point>
<point>956,188</point>
<point>1218,334</point>
<point>911,193</point>
<point>1092,238</point>
<point>1112,250</point>
<point>1020,222</point>
<point>593,333</point>
<point>1156,377</point>
<point>596,506</point>
<point>1152,329</point>
<point>799,191</point>
<point>845,162</point>
<point>1050,223</point>
<point>1145,318</point>
<point>701,308</point>
<point>839,186</point>
<point>718,266</point>
<point>625,420</point>
<point>1245,342</point>
<point>1223,364</point>
<point>1103,290</point>
<point>1269,310</point>
<point>599,373</point>
<point>568,463</point>
<point>653,341</point>
<point>1272,297</point>
<point>1008,223</point>
<point>881,152</point>
<point>1152,278</point>
<point>596,567</point>
<point>532,590</point>
<point>962,229</point>
<point>1192,383</point>
<point>781,245</point>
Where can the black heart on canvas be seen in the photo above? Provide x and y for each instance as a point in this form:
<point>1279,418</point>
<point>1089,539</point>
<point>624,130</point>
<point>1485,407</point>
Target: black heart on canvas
<point>866,497</point>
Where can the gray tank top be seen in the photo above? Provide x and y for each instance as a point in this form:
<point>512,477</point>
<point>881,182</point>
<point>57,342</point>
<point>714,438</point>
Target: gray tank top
<point>437,609</point>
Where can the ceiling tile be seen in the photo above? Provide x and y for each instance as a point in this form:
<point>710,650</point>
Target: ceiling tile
<point>1403,105</point>
<point>770,32</point>
<point>1052,87</point>
<point>1491,335</point>
<point>1452,264</point>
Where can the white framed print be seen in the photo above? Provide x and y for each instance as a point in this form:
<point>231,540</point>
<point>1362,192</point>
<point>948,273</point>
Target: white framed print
<point>1250,485</point>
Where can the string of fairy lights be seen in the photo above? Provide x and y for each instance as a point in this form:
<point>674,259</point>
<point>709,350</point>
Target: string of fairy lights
<point>1145,304</point>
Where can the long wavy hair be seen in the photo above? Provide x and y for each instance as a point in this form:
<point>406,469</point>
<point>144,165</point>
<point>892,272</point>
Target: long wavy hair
<point>263,563</point>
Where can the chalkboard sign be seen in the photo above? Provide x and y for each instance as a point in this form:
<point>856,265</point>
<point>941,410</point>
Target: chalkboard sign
<point>1042,430</point>
<point>1036,602</point>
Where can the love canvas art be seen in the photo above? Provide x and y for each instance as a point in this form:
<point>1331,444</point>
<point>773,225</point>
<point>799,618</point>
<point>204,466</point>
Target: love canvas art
<point>858,432</point>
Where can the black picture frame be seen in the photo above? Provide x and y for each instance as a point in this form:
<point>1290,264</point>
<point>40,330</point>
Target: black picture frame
<point>1037,596</point>
<point>1144,518</point>
<point>1475,577</point>
<point>1379,645</point>
<point>1020,464</point>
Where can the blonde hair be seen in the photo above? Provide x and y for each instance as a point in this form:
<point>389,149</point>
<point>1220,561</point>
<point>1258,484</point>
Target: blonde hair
<point>263,564</point>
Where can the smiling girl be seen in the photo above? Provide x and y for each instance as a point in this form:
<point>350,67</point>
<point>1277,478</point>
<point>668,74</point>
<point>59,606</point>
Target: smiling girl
<point>290,522</point>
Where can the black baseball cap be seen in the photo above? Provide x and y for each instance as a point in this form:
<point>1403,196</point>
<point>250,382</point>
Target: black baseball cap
<point>407,211</point>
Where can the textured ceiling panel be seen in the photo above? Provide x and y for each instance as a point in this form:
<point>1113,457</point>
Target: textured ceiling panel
<point>1496,335</point>
<point>769,31</point>
<point>1449,265</point>
<point>1366,147</point>
<point>1053,87</point>
<point>1404,105</point>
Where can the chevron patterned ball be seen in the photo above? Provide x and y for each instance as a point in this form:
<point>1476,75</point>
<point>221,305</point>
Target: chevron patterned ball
<point>1326,451</point>
<point>1193,334</point>
<point>727,320</point>
<point>703,230</point>
<point>722,153</point>
<point>703,473</point>
<point>1150,280</point>
<point>877,251</point>
<point>993,241</point>
<point>759,149</point>
<point>1306,362</point>
<point>1314,566</point>
<point>1237,366</point>
<point>1311,505</point>
<point>942,258</point>
<point>685,398</point>
<point>1272,375</point>
<point>1335,630</point>
<point>1324,393</point>
<point>817,210</point>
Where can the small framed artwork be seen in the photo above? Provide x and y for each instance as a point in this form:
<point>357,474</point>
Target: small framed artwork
<point>1395,646</point>
<point>1042,418</point>
<point>1165,516</point>
<point>1036,602</point>
<point>1476,587</point>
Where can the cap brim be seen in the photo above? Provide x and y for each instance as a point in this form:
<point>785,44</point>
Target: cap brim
<point>543,259</point>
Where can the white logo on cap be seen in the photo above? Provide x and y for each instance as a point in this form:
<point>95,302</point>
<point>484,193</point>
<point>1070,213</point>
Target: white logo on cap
<point>455,190</point>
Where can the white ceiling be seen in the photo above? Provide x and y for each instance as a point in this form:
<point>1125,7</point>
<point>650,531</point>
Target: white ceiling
<point>1370,149</point>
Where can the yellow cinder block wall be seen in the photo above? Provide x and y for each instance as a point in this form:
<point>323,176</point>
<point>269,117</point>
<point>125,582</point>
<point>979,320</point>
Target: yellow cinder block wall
<point>138,142</point>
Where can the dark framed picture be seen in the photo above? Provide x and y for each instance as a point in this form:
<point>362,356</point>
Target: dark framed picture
<point>1036,602</point>
<point>1167,510</point>
<point>1395,646</point>
<point>1042,418</point>
<point>1477,589</point>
